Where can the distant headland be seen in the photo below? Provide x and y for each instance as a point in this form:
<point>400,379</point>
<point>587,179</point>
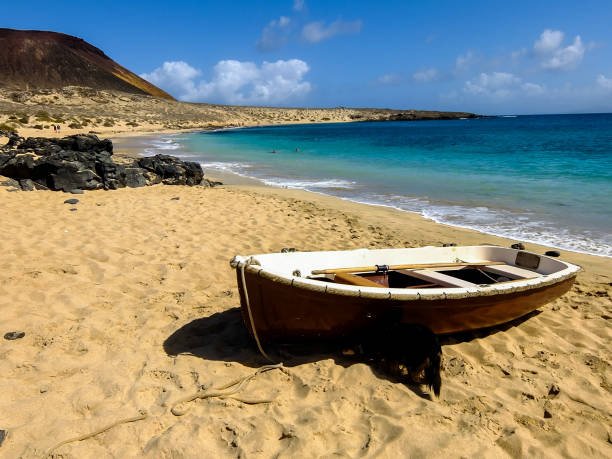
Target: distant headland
<point>49,79</point>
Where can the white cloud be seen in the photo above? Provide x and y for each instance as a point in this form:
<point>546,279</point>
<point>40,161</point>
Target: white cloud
<point>566,58</point>
<point>549,41</point>
<point>317,31</point>
<point>235,82</point>
<point>604,82</point>
<point>389,79</point>
<point>502,86</point>
<point>426,75</point>
<point>497,85</point>
<point>497,80</point>
<point>275,34</point>
<point>298,5</point>
<point>553,55</point>
<point>463,62</point>
<point>175,77</point>
<point>533,89</point>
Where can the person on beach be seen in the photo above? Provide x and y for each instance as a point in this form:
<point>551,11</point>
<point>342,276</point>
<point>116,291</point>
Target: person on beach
<point>58,128</point>
<point>54,128</point>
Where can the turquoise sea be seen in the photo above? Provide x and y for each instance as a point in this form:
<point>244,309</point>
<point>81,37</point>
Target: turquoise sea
<point>544,179</point>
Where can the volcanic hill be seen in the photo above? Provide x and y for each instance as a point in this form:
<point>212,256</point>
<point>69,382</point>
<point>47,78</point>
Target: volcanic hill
<point>33,59</point>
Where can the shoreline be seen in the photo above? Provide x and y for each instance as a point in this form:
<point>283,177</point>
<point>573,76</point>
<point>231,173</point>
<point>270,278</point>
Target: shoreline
<point>423,228</point>
<point>231,178</point>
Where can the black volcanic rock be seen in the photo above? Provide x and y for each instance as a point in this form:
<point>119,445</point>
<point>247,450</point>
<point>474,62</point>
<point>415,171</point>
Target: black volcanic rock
<point>173,171</point>
<point>35,59</point>
<point>135,177</point>
<point>84,162</point>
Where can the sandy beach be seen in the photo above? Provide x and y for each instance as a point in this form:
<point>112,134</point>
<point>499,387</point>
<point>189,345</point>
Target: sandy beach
<point>128,304</point>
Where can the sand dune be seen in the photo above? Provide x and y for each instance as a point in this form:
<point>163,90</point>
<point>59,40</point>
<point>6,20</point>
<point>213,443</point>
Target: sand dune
<point>128,304</point>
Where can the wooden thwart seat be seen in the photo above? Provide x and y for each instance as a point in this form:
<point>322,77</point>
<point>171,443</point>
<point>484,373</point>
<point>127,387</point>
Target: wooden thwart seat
<point>353,279</point>
<point>513,272</point>
<point>437,278</point>
<point>432,278</point>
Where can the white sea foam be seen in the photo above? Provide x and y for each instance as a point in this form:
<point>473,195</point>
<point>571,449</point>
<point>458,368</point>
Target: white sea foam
<point>519,225</point>
<point>229,167</point>
<point>162,144</point>
<point>308,184</point>
<point>249,171</point>
<point>166,145</point>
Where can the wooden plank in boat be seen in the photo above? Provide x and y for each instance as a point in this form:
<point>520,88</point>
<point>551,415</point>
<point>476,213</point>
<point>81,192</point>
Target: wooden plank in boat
<point>428,285</point>
<point>352,279</point>
<point>513,272</point>
<point>409,266</point>
<point>438,278</point>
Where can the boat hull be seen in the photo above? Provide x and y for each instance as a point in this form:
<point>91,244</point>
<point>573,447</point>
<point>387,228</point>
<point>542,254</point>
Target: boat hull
<point>287,313</point>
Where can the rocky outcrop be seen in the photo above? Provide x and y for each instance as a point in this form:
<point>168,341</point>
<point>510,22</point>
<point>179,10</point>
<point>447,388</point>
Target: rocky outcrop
<point>172,171</point>
<point>84,162</point>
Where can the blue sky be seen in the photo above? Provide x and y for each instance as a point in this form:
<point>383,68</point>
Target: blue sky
<point>480,56</point>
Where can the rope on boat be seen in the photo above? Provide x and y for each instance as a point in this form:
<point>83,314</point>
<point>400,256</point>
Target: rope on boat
<point>482,272</point>
<point>248,306</point>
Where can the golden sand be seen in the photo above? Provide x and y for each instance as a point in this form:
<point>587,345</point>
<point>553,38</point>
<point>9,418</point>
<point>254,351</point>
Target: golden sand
<point>129,304</point>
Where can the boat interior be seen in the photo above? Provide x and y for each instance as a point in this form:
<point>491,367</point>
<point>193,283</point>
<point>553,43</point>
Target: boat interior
<point>456,274</point>
<point>435,276</point>
<point>415,268</point>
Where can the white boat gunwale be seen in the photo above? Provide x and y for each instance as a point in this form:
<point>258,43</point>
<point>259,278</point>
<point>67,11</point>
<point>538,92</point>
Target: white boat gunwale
<point>255,265</point>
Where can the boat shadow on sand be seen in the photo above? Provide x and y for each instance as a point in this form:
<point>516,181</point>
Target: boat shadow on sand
<point>223,337</point>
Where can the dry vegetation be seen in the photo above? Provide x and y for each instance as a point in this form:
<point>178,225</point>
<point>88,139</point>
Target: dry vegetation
<point>78,109</point>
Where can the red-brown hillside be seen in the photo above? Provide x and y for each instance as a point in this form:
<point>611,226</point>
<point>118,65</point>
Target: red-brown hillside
<point>33,59</point>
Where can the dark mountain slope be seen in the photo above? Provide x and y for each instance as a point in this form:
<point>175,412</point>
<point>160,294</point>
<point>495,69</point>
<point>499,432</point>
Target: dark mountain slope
<point>32,59</point>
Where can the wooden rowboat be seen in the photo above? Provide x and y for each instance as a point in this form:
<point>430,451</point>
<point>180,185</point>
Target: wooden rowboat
<point>288,297</point>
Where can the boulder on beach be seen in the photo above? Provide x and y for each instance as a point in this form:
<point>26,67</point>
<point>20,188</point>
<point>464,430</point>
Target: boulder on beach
<point>84,162</point>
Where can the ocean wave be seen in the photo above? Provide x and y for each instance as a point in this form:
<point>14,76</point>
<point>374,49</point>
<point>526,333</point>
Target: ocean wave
<point>512,224</point>
<point>224,129</point>
<point>306,184</point>
<point>248,171</point>
<point>160,144</point>
<point>165,145</point>
<point>233,168</point>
